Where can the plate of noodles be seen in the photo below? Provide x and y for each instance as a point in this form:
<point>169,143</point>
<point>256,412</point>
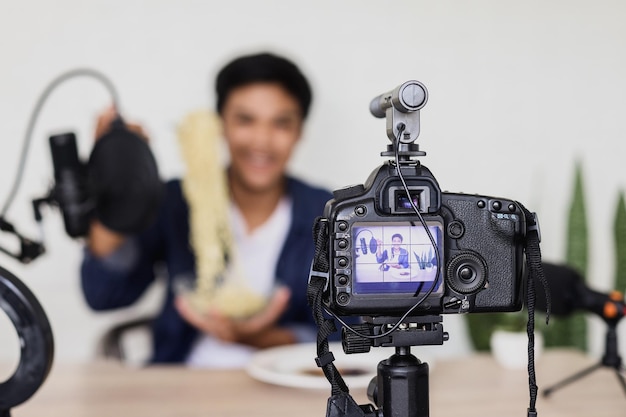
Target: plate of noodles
<point>294,366</point>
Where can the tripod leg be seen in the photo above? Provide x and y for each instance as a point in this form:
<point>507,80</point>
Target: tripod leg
<point>571,379</point>
<point>620,376</point>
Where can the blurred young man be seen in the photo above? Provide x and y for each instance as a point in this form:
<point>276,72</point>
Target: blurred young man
<point>263,101</point>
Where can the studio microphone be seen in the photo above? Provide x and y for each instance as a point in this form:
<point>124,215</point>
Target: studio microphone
<point>363,246</point>
<point>569,293</point>
<point>70,189</point>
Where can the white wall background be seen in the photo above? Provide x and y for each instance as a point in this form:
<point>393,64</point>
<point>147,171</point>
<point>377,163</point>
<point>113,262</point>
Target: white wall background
<point>518,92</point>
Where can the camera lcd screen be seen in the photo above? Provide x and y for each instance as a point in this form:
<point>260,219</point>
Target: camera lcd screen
<point>398,258</point>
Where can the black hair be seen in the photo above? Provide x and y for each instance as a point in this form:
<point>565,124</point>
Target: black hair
<point>395,235</point>
<point>263,67</point>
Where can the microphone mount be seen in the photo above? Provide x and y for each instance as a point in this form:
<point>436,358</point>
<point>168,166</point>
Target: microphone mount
<point>29,249</point>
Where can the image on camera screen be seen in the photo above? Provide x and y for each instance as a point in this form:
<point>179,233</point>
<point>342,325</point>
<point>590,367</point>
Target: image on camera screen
<point>396,258</point>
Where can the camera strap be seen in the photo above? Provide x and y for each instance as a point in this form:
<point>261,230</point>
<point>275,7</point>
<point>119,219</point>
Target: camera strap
<point>535,273</point>
<point>340,403</point>
<point>318,282</point>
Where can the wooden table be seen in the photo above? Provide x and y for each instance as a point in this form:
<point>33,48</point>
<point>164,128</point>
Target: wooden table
<point>475,386</point>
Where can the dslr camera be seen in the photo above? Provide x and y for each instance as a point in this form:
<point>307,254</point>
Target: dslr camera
<point>397,242</point>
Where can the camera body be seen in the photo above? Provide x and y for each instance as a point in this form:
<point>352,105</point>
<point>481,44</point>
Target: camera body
<point>480,240</point>
<point>382,259</point>
<point>399,253</point>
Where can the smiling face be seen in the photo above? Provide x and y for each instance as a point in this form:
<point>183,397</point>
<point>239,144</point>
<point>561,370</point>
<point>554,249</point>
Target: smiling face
<point>396,242</point>
<point>262,123</point>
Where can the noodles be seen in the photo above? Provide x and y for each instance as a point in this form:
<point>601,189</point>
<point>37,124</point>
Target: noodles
<point>219,282</point>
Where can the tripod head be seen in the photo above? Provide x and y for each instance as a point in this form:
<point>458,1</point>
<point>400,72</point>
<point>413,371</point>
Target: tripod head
<point>377,332</point>
<point>401,384</point>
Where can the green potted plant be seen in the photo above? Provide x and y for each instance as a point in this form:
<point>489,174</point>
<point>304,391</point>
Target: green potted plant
<point>505,336</point>
<point>572,331</point>
<point>509,340</point>
<point>619,230</point>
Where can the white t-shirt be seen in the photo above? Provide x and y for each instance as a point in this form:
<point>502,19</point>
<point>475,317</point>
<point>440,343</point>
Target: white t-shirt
<point>258,253</point>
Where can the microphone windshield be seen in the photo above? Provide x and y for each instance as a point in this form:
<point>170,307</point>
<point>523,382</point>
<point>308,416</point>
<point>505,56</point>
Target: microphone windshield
<point>373,245</point>
<point>563,284</point>
<point>125,180</point>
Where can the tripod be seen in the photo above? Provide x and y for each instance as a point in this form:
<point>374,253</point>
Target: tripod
<point>401,386</point>
<point>399,389</point>
<point>610,359</point>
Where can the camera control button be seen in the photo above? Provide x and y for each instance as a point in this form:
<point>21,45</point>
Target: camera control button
<point>481,204</point>
<point>343,298</point>
<point>512,207</point>
<point>342,244</point>
<point>342,280</point>
<point>456,229</point>
<point>342,262</point>
<point>496,205</point>
<point>342,226</point>
<point>360,211</point>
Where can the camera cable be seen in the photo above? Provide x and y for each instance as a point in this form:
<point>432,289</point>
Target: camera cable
<point>401,128</point>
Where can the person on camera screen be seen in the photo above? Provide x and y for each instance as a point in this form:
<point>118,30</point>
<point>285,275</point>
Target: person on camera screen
<point>394,257</point>
<point>262,103</point>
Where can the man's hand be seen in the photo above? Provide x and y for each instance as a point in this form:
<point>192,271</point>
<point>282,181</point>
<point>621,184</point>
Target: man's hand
<point>106,119</point>
<point>259,330</point>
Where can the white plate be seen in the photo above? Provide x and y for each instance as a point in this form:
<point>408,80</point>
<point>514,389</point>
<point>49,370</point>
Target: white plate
<point>294,365</point>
